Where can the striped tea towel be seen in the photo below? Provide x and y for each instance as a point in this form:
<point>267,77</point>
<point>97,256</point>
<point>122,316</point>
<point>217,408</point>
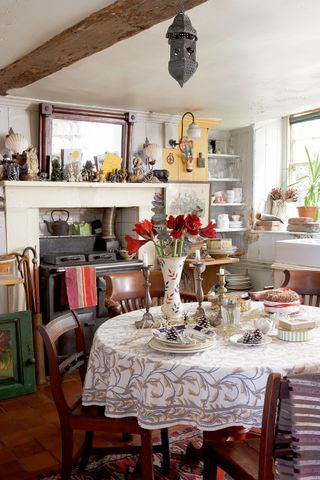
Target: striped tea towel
<point>81,286</point>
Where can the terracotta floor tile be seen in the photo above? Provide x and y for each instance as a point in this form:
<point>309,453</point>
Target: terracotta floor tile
<point>10,469</point>
<point>22,412</point>
<point>8,425</point>
<point>38,462</point>
<point>43,430</point>
<point>27,449</point>
<point>30,422</point>
<point>17,438</point>
<point>6,455</point>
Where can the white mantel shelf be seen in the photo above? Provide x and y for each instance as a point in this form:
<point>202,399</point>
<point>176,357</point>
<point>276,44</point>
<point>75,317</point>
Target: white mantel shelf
<point>105,185</point>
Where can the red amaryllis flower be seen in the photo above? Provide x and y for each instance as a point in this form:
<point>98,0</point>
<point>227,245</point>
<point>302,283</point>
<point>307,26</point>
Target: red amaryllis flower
<point>193,223</point>
<point>171,222</point>
<point>208,232</point>
<point>133,244</point>
<point>145,230</point>
<point>177,226</point>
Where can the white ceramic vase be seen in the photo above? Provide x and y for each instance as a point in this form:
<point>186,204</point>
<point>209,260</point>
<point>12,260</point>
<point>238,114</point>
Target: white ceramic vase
<point>171,268</point>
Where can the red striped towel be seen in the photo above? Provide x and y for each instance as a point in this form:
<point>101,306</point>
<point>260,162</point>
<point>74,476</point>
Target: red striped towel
<point>81,286</point>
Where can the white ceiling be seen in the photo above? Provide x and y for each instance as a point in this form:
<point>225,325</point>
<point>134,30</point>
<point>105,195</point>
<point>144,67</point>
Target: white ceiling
<point>257,60</point>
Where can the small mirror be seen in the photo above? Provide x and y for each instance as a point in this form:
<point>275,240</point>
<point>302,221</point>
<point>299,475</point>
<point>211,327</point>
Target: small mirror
<point>78,135</point>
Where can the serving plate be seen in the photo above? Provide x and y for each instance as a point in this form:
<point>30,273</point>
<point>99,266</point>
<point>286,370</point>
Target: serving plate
<point>155,344</point>
<point>189,335</point>
<point>235,340</point>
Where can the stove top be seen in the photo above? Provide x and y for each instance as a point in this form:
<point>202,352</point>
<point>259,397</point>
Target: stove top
<point>78,258</point>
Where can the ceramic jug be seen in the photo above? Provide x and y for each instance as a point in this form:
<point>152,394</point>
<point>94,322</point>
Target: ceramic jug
<point>223,220</point>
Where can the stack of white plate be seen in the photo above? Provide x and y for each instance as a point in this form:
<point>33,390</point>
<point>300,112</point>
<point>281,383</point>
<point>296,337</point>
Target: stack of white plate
<point>238,281</point>
<point>235,224</point>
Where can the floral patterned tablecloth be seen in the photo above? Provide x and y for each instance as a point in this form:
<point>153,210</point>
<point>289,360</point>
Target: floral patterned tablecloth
<point>220,387</point>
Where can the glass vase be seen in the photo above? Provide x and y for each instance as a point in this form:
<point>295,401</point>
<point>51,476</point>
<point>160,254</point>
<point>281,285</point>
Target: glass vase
<point>172,308</point>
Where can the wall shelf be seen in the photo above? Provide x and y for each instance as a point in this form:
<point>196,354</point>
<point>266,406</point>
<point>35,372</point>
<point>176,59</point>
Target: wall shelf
<point>232,230</point>
<point>235,204</point>
<point>222,155</point>
<point>224,179</point>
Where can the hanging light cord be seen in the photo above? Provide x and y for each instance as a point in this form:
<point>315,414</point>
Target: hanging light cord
<point>181,6</point>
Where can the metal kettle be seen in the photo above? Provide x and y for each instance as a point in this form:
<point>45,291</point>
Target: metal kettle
<point>58,227</point>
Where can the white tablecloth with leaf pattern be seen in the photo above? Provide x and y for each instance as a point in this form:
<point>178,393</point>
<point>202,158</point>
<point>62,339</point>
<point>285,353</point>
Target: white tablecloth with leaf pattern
<point>220,387</point>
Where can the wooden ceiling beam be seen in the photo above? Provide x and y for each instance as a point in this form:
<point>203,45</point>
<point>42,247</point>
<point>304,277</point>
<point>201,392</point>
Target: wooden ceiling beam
<point>100,30</point>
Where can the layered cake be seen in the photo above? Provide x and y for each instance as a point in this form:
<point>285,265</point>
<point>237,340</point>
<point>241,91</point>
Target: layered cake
<point>281,300</point>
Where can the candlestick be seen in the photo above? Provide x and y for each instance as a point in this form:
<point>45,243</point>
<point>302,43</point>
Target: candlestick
<point>221,295</point>
<point>145,259</point>
<point>198,258</point>
<point>147,318</point>
<point>200,268</point>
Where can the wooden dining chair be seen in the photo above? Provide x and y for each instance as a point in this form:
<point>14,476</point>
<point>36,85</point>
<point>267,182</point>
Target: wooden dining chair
<point>251,459</point>
<point>304,282</point>
<point>89,419</point>
<point>125,291</point>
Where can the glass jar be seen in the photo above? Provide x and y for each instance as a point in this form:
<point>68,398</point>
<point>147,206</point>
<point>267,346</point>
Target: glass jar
<point>230,312</point>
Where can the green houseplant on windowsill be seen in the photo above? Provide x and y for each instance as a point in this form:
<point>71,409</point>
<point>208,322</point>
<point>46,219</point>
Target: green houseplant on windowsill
<point>312,182</point>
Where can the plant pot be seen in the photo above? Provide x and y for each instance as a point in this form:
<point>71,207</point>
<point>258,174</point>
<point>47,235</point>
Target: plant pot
<point>307,212</point>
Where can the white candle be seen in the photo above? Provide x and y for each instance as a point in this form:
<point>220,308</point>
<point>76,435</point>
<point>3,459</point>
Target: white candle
<point>221,271</point>
<point>145,259</point>
<point>198,255</point>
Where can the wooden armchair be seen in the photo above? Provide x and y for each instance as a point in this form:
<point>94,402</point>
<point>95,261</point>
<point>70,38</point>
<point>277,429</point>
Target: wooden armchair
<point>125,292</point>
<point>305,282</point>
<point>89,419</point>
<point>251,459</point>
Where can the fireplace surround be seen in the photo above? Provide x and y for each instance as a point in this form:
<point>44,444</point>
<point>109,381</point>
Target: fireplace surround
<point>24,202</point>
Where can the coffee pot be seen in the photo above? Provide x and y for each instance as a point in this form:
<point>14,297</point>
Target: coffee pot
<point>58,227</point>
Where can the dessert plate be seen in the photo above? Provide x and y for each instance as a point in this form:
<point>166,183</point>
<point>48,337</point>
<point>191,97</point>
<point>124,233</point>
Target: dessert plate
<point>235,340</point>
<point>188,335</point>
<point>173,348</point>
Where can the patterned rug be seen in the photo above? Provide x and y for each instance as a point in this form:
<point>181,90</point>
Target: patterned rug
<point>121,467</point>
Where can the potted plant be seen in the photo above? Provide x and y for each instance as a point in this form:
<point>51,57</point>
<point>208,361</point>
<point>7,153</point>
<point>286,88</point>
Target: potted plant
<point>312,182</point>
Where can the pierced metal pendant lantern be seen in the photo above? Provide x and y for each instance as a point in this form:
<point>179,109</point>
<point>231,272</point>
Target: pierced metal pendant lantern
<point>182,39</point>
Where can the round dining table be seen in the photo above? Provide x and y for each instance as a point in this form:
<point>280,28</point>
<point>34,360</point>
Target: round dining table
<point>222,386</point>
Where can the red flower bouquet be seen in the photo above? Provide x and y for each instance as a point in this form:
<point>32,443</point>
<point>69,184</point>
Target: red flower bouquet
<point>172,239</point>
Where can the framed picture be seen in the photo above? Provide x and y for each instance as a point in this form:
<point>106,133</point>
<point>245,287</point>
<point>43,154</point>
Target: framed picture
<point>184,198</point>
<point>70,155</point>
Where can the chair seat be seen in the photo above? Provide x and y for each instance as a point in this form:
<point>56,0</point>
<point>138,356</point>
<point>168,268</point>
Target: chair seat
<point>84,417</point>
<point>240,459</point>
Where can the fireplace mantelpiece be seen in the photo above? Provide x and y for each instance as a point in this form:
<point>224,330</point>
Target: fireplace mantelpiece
<point>22,201</point>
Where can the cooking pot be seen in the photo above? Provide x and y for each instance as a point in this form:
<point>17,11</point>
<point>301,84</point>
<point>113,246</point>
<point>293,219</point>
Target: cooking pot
<point>58,227</point>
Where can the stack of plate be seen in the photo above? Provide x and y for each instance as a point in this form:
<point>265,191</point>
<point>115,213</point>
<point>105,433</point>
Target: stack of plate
<point>238,281</point>
<point>192,338</point>
<point>222,252</point>
<point>235,224</point>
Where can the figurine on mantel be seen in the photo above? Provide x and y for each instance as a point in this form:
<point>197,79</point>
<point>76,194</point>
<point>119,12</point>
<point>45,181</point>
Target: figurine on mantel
<point>137,175</point>
<point>123,175</point>
<point>56,170</point>
<point>32,163</point>
<point>88,173</point>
